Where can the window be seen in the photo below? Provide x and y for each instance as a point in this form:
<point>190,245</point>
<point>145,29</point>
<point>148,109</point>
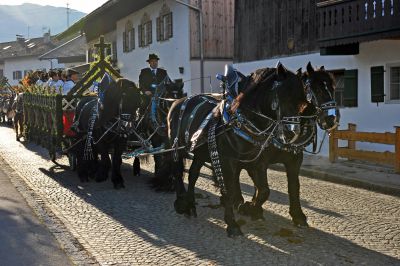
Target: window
<point>114,51</point>
<point>164,24</point>
<point>350,94</point>
<point>1,73</point>
<point>346,92</point>
<point>145,31</point>
<point>17,75</point>
<point>91,53</point>
<point>128,37</point>
<point>132,39</point>
<point>377,84</point>
<point>26,72</point>
<point>339,89</point>
<point>394,83</point>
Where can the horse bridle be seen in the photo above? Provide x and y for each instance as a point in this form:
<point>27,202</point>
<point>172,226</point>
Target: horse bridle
<point>328,107</point>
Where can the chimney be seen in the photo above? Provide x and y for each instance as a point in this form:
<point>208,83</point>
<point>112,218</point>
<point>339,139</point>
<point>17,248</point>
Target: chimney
<point>46,37</point>
<point>20,39</point>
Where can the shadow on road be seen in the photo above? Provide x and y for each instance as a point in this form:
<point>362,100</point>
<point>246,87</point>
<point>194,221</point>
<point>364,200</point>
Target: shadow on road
<point>151,216</point>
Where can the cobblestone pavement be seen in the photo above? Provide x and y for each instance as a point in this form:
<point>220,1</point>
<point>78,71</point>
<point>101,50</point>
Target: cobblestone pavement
<point>137,226</point>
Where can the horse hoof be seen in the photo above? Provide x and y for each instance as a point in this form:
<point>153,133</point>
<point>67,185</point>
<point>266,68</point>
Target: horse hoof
<point>234,231</point>
<point>258,217</point>
<point>84,180</point>
<point>300,223</point>
<point>119,186</point>
<point>182,206</point>
<point>245,208</point>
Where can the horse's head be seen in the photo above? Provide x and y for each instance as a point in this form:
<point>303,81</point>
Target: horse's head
<point>289,103</point>
<point>320,87</point>
<point>174,90</point>
<point>121,99</point>
<point>280,95</point>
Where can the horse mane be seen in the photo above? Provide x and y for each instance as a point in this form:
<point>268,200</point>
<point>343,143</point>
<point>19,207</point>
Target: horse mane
<point>259,91</point>
<point>251,86</point>
<point>125,83</point>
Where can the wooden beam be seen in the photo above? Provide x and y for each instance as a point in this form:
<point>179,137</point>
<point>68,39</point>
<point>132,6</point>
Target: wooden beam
<point>381,138</point>
<point>333,146</point>
<point>397,150</point>
<point>371,156</point>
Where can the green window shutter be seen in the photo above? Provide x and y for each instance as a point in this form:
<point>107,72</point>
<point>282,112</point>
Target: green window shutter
<point>149,31</point>
<point>350,95</point>
<point>132,40</point>
<point>159,29</point>
<point>170,25</point>
<point>140,35</point>
<point>124,42</point>
<point>377,84</point>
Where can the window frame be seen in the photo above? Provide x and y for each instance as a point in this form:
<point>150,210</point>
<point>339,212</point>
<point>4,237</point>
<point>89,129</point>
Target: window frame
<point>357,84</point>
<point>388,83</point>
<point>128,37</point>
<point>15,75</point>
<point>335,73</point>
<point>342,72</point>
<point>145,31</point>
<point>164,31</point>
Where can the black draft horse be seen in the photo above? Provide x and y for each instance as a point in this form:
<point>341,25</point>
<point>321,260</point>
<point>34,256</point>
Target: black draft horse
<point>103,124</point>
<point>259,108</point>
<point>154,125</point>
<point>319,86</point>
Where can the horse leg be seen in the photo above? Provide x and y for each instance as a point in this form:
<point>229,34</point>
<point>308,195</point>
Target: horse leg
<point>228,170</point>
<point>81,164</point>
<point>21,124</point>
<point>194,173</point>
<point>116,177</point>
<point>136,167</point>
<point>16,123</point>
<point>103,166</point>
<point>254,208</point>
<point>238,199</point>
<point>292,171</point>
<point>177,168</point>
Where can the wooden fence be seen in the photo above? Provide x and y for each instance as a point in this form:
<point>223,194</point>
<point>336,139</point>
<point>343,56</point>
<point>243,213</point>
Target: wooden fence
<point>350,152</point>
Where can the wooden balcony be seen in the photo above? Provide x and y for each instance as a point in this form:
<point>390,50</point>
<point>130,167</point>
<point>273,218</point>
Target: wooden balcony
<point>346,22</point>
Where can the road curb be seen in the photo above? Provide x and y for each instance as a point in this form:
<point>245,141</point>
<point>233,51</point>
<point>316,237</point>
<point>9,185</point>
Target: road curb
<point>338,179</point>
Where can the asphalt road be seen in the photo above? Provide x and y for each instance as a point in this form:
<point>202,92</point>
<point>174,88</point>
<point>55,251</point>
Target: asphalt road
<point>24,240</point>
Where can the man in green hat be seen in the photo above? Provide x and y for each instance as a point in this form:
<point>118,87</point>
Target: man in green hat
<point>151,75</point>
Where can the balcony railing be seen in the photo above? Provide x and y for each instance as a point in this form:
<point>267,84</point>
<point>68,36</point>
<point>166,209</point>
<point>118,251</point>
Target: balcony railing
<point>345,21</point>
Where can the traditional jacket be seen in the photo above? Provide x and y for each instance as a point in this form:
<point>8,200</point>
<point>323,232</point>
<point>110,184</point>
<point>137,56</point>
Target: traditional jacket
<point>147,78</point>
<point>56,84</point>
<point>68,85</point>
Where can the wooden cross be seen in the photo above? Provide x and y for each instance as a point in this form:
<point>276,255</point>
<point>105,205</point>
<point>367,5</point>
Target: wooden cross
<point>102,45</point>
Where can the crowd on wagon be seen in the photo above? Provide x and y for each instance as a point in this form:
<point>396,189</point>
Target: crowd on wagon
<point>60,80</point>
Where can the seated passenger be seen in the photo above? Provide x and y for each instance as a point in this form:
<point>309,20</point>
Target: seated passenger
<point>72,78</point>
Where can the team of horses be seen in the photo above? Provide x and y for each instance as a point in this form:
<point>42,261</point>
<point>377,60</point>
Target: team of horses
<point>276,120</point>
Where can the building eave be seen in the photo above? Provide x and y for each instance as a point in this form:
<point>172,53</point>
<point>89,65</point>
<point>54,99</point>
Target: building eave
<point>104,18</point>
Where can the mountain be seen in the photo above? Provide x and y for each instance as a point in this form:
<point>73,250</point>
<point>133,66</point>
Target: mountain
<point>32,20</point>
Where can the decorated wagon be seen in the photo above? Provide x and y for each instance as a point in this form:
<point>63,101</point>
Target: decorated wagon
<point>49,114</point>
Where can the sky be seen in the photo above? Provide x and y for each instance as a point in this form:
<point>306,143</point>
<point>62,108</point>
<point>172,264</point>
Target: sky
<point>86,6</point>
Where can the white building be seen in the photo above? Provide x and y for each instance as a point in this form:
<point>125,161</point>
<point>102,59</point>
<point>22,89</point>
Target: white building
<point>19,57</point>
<point>168,28</point>
<point>364,55</point>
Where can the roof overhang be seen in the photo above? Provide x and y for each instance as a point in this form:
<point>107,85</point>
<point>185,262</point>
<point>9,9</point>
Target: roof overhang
<point>59,53</point>
<point>104,18</point>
